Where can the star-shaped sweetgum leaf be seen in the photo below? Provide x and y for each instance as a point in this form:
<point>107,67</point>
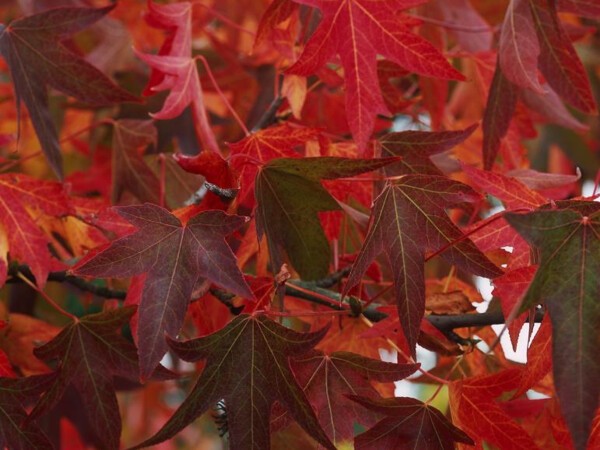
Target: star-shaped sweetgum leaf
<point>409,424</point>
<point>357,31</point>
<point>91,352</point>
<point>36,58</point>
<point>328,379</point>
<point>175,257</point>
<point>23,200</point>
<point>568,239</point>
<point>247,365</point>
<point>289,195</point>
<point>16,432</point>
<point>408,219</point>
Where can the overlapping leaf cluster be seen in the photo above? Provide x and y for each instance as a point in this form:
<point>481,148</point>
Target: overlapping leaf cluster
<point>225,213</point>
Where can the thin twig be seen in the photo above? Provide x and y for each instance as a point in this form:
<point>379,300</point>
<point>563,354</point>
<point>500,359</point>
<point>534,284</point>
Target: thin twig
<point>269,116</point>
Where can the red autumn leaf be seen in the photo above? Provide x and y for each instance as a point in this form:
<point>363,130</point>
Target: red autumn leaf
<point>22,200</point>
<point>566,282</point>
<point>500,107</point>
<point>210,165</point>
<point>21,336</point>
<point>176,257</point>
<point>586,8</point>
<point>539,358</point>
<point>36,57</point>
<point>416,148</point>
<point>474,410</point>
<point>175,69</point>
<point>551,108</point>
<point>510,191</point>
<point>289,195</point>
<point>409,423</point>
<point>215,171</point>
<point>358,190</point>
<point>409,218</point>
<point>81,349</point>
<point>327,380</point>
<point>130,172</point>
<point>17,432</point>
<point>248,366</point>
<point>510,288</point>
<point>277,12</point>
<point>540,181</point>
<point>358,31</point>
<point>558,60</point>
<point>262,146</point>
<point>175,20</point>
<point>494,233</point>
<point>6,369</point>
<point>474,33</point>
<point>519,47</point>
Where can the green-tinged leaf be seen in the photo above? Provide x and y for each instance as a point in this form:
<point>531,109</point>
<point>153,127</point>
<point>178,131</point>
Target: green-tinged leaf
<point>409,218</point>
<point>175,257</point>
<point>36,58</point>
<point>409,424</point>
<point>289,196</point>
<point>91,352</point>
<point>247,365</point>
<point>567,283</point>
<point>129,171</point>
<point>15,431</point>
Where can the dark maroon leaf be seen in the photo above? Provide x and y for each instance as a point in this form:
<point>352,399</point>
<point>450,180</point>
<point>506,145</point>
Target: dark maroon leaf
<point>130,171</point>
<point>410,424</point>
<point>175,257</point>
<point>91,353</point>
<point>409,218</point>
<point>36,57</point>
<point>328,379</point>
<point>416,147</point>
<point>248,366</point>
<point>15,431</point>
<point>501,104</point>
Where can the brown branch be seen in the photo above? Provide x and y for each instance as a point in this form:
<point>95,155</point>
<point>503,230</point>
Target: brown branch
<point>311,291</point>
<point>63,277</point>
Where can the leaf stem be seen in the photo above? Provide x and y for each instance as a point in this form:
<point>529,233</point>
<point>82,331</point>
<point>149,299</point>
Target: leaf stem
<point>47,297</point>
<point>225,19</point>
<point>220,92</point>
